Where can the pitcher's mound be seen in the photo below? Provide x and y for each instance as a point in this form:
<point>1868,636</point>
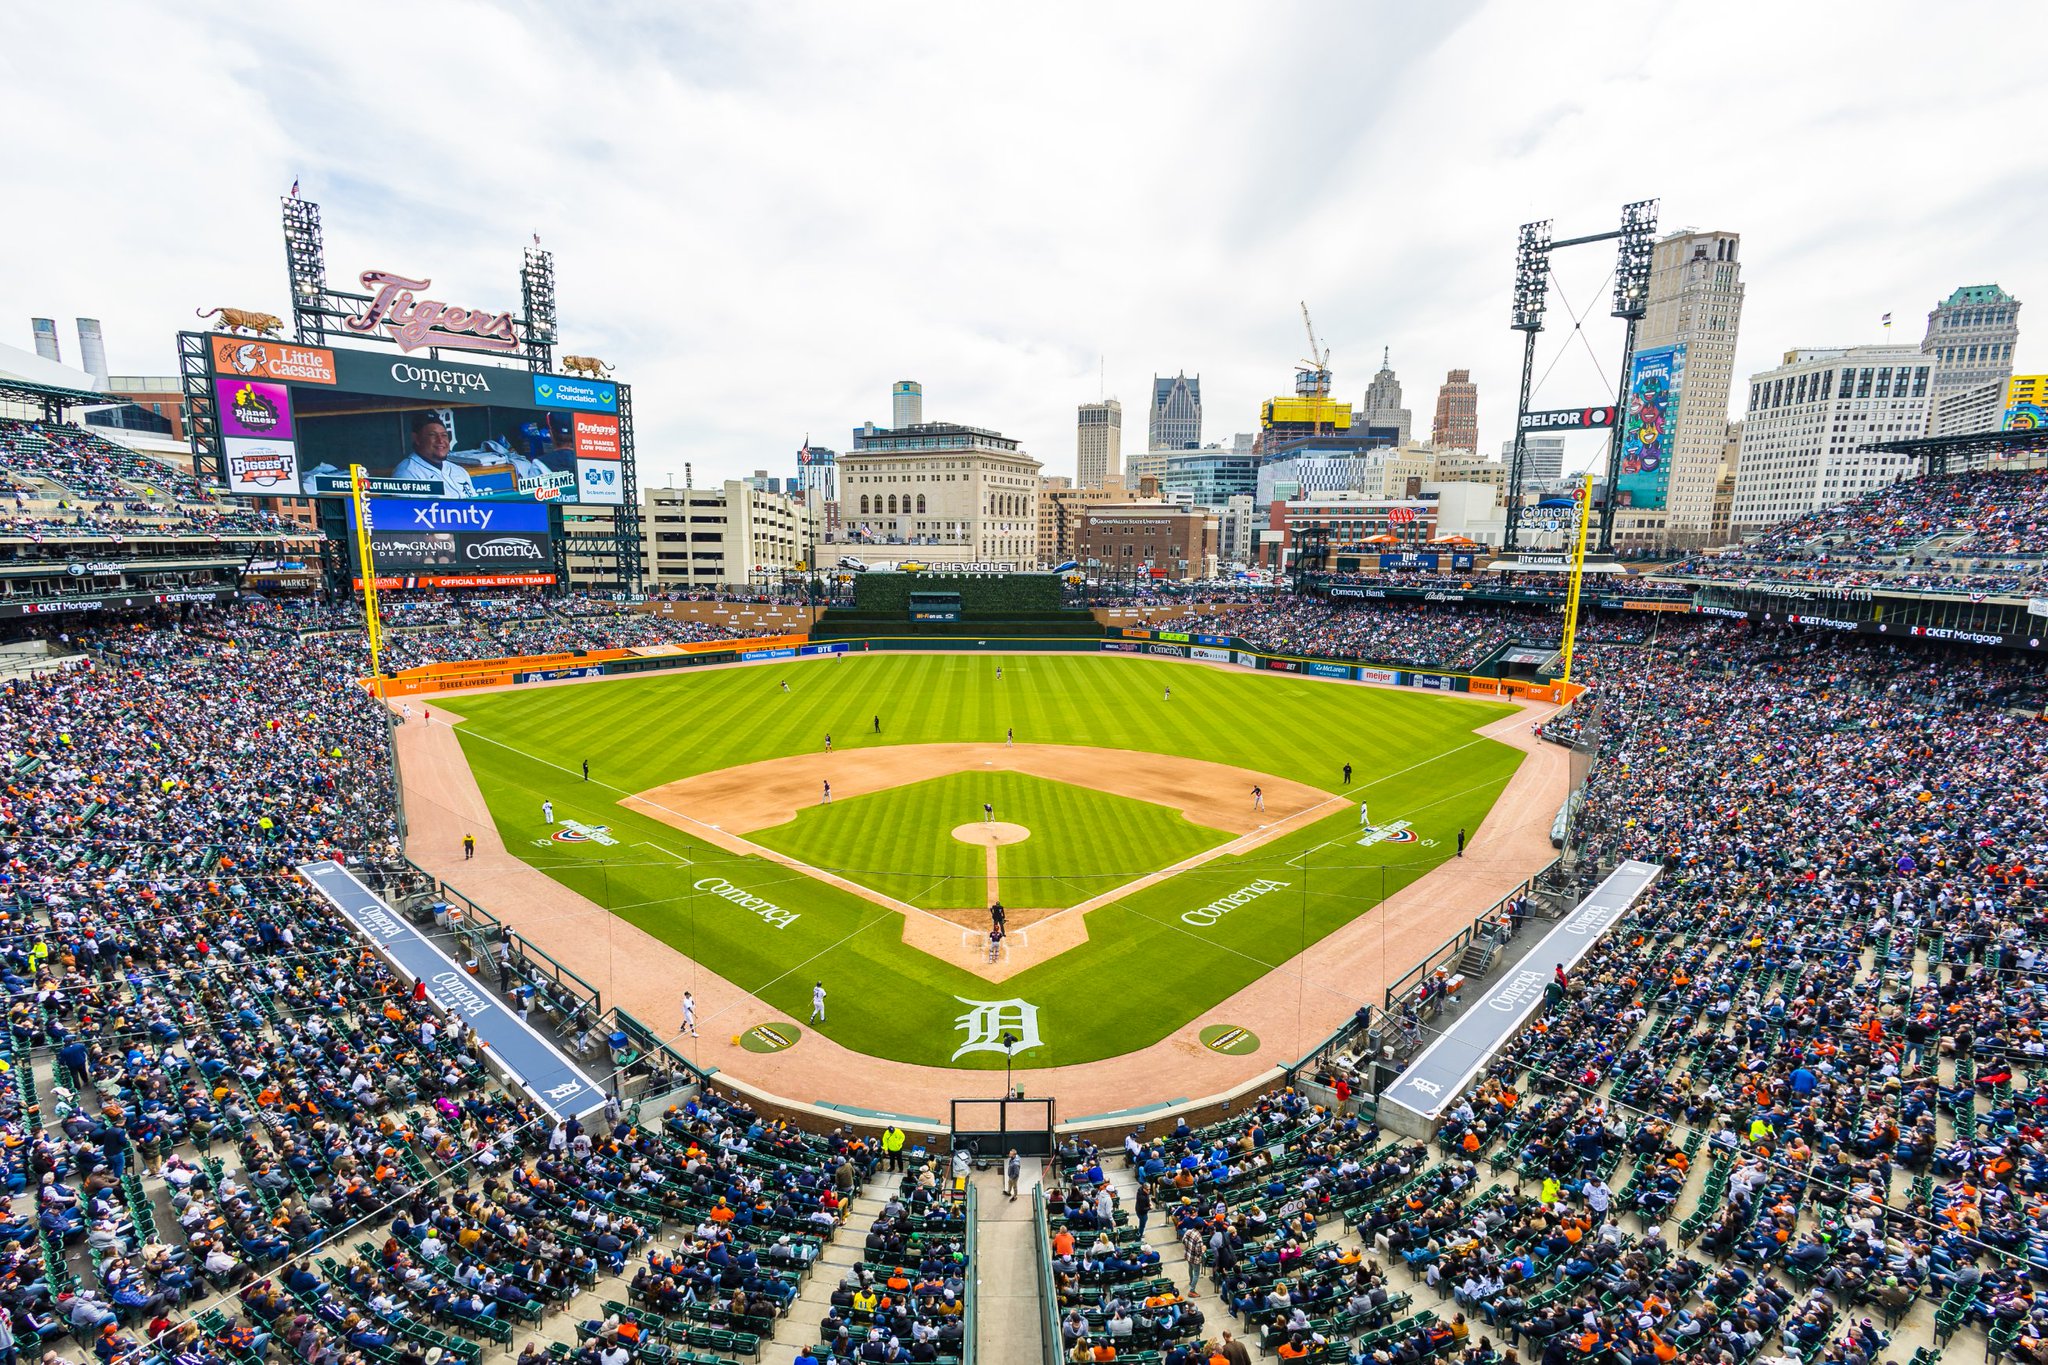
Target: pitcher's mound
<point>997,833</point>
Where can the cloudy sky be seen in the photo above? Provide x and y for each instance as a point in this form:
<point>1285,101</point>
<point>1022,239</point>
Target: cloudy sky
<point>764,214</point>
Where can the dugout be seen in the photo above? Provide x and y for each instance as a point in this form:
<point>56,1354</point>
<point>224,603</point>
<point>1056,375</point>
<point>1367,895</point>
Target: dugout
<point>1414,1104</point>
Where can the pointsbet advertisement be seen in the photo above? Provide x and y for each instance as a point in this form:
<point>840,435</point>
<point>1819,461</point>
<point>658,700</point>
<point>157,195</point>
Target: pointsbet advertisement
<point>1649,426</point>
<point>293,419</point>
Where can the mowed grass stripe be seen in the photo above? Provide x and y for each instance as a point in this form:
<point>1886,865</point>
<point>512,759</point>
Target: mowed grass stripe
<point>900,842</point>
<point>1143,972</point>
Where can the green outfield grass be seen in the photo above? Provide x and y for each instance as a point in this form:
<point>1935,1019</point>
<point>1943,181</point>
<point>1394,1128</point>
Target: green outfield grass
<point>900,842</point>
<point>1153,960</point>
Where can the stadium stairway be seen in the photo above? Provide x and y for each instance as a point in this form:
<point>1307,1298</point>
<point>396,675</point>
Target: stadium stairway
<point>1173,1261</point>
<point>1007,1304</point>
<point>840,1253</point>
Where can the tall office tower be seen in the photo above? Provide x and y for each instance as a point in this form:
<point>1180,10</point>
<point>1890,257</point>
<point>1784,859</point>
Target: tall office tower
<point>1809,424</point>
<point>906,404</point>
<point>1971,334</point>
<point>1099,443</point>
<point>1176,413</point>
<point>1542,456</point>
<point>1383,403</point>
<point>1457,413</point>
<point>1695,304</point>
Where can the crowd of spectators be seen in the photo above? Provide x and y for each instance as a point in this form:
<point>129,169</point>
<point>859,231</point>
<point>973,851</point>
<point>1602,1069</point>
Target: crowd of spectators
<point>248,1138</point>
<point>1402,632</point>
<point>1809,1066</point>
<point>423,628</point>
<point>101,488</point>
<point>1983,533</point>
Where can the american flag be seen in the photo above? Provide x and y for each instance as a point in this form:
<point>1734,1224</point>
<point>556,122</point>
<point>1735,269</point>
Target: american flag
<point>295,187</point>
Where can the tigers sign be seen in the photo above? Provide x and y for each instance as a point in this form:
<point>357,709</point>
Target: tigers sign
<point>398,313</point>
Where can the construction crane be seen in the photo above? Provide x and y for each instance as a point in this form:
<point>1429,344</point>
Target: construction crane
<point>1312,376</point>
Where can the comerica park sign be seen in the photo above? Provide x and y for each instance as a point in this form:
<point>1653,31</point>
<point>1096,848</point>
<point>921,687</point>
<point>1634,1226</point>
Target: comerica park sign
<point>1569,419</point>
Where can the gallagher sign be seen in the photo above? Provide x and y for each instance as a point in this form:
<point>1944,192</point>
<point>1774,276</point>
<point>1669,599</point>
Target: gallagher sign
<point>1569,419</point>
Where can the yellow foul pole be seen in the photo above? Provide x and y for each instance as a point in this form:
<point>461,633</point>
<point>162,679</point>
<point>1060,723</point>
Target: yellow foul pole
<point>372,622</point>
<point>1571,601</point>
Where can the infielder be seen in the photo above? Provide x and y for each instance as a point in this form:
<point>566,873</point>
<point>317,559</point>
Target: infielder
<point>689,1014</point>
<point>817,1002</point>
<point>547,811</point>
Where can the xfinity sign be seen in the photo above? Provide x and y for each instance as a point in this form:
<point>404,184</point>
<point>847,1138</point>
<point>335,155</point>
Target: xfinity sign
<point>416,515</point>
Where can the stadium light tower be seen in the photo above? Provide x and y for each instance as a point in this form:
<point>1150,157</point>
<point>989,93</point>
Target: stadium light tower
<point>1634,247</point>
<point>1532,293</point>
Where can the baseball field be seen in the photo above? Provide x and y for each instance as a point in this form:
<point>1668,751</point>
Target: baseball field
<point>1107,802</point>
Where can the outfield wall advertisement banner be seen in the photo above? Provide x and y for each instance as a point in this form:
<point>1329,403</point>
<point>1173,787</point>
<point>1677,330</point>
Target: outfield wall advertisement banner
<point>1390,676</point>
<point>501,580</point>
<point>1656,377</point>
<point>1214,656</point>
<point>555,674</point>
<point>1322,670</point>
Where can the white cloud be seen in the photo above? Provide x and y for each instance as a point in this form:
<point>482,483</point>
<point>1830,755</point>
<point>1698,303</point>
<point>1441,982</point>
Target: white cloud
<point>765,214</point>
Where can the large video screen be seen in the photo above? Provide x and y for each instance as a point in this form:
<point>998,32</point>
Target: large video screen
<point>294,418</point>
<point>438,542</point>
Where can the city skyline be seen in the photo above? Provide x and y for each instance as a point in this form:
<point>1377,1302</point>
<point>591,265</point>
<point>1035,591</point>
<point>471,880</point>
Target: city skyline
<point>718,222</point>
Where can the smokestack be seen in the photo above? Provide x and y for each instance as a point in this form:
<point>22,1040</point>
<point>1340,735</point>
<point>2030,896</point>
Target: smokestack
<point>46,339</point>
<point>92,351</point>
